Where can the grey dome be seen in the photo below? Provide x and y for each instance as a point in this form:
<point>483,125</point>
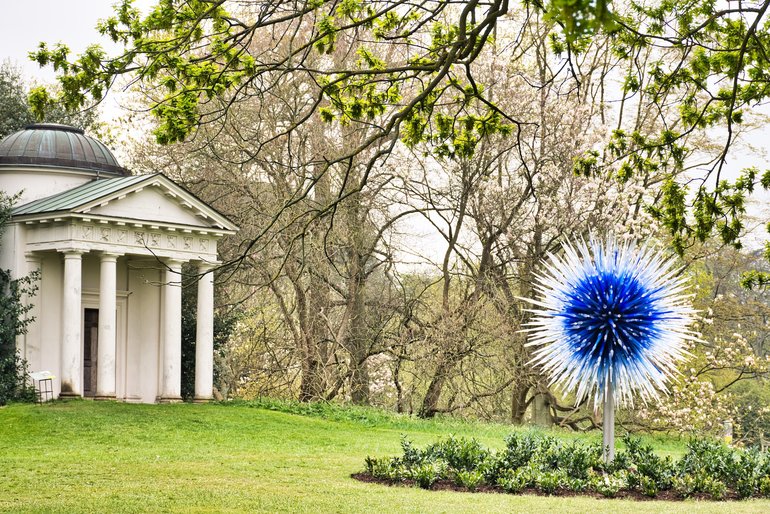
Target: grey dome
<point>50,144</point>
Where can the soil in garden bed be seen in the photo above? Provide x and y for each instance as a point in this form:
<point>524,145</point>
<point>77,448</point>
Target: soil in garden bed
<point>448,485</point>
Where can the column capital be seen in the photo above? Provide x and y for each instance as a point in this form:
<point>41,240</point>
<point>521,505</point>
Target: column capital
<point>32,256</point>
<point>72,253</point>
<point>172,262</point>
<point>109,256</point>
<point>205,266</point>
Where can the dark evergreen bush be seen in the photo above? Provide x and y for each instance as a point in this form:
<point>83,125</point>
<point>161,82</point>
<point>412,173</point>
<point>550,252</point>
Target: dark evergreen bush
<point>13,384</point>
<point>13,323</point>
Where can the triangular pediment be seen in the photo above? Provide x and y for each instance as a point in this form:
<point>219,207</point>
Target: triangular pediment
<point>154,199</point>
<point>157,199</point>
<point>151,204</point>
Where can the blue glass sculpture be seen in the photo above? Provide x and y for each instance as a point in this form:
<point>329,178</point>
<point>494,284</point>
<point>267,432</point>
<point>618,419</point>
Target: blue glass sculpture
<point>611,323</point>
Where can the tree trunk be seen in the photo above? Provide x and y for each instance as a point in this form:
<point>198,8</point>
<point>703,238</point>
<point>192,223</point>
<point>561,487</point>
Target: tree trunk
<point>357,335</point>
<point>433,395</point>
<point>541,411</point>
<point>519,402</point>
<point>310,387</point>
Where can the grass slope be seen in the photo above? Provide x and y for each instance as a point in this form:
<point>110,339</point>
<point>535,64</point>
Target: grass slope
<point>113,457</point>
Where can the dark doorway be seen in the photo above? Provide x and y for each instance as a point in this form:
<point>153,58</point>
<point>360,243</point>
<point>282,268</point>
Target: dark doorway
<point>90,344</point>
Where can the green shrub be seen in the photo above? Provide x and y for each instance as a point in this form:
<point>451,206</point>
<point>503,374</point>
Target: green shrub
<point>684,485</point>
<point>576,484</point>
<point>715,488</point>
<point>608,485</point>
<point>634,478</point>
<point>749,466</point>
<point>459,453</point>
<point>648,464</point>
<point>492,468</point>
<point>412,456</point>
<point>518,450</point>
<point>764,486</point>
<point>621,462</point>
<point>469,479</point>
<point>746,487</point>
<point>549,481</point>
<point>13,380</point>
<point>648,486</point>
<point>388,469</point>
<point>576,459</point>
<point>709,457</point>
<point>14,319</point>
<point>426,474</point>
<point>514,481</point>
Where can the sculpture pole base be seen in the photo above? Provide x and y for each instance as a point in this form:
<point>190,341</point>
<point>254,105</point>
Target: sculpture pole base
<point>608,425</point>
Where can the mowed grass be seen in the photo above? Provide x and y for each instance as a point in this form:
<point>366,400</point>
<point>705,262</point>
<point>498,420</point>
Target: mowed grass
<point>113,457</point>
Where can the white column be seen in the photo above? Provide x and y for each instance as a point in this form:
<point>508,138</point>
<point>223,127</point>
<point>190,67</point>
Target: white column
<point>72,328</point>
<point>171,385</point>
<point>106,349</point>
<point>204,336</point>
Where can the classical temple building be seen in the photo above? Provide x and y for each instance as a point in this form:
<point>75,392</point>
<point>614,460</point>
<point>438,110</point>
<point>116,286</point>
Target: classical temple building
<point>109,246</point>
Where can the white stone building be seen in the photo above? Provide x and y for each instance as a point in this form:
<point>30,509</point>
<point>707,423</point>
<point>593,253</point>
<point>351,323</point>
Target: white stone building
<point>109,247</point>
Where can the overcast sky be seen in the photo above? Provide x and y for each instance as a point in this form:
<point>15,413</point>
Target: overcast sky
<point>25,23</point>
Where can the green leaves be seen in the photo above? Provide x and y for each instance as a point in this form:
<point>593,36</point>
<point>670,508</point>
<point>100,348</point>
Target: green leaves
<point>580,18</point>
<point>717,210</point>
<point>167,43</point>
<point>39,101</point>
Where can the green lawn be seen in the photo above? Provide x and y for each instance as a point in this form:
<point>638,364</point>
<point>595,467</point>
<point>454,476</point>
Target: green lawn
<point>113,457</point>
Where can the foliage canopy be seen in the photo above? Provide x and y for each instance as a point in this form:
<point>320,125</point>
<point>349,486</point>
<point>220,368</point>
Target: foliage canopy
<point>410,72</point>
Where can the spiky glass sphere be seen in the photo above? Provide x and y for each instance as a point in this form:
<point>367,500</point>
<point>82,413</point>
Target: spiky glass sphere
<point>610,317</point>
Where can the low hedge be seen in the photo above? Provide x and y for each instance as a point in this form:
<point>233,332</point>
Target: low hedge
<point>544,464</point>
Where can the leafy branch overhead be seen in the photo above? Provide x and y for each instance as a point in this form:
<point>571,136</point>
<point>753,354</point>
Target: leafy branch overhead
<point>191,53</point>
<point>410,70</point>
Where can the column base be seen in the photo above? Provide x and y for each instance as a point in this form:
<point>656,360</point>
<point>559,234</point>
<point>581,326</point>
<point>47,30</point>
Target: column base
<point>170,399</point>
<point>203,399</point>
<point>68,395</point>
<point>104,397</point>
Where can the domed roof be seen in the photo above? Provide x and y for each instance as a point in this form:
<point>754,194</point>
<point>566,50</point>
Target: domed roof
<point>50,144</point>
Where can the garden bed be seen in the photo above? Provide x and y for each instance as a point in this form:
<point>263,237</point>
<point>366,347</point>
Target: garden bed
<point>625,494</point>
<point>542,465</point>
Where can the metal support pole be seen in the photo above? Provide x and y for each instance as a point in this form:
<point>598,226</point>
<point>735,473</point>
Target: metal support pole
<point>608,425</point>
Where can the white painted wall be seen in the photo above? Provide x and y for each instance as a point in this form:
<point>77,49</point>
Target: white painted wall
<point>38,182</point>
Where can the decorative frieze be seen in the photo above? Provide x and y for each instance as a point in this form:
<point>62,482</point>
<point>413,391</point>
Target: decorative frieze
<point>95,234</point>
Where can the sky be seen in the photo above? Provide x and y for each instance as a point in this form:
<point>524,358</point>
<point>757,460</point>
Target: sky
<point>71,22</point>
<point>24,24</point>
